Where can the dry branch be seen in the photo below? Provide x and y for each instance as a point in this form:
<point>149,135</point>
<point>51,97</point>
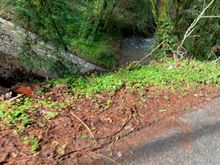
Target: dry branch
<point>211,16</point>
<point>191,29</point>
<point>18,96</point>
<point>145,57</point>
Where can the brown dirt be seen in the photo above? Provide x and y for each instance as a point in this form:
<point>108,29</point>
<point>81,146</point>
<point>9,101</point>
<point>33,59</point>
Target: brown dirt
<point>114,121</point>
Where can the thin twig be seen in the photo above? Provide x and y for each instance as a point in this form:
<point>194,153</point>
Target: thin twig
<point>145,57</point>
<point>211,16</point>
<point>67,154</point>
<point>215,61</point>
<point>118,131</point>
<point>86,126</point>
<point>106,157</point>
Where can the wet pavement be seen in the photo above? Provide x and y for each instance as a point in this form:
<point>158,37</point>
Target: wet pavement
<point>194,142</point>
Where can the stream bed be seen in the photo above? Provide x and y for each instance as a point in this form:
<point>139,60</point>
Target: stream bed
<point>134,49</point>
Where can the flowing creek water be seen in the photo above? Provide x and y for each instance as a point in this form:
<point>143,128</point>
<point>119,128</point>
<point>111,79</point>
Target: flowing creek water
<point>134,49</point>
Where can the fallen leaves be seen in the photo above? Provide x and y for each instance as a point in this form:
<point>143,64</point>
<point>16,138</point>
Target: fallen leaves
<point>25,90</point>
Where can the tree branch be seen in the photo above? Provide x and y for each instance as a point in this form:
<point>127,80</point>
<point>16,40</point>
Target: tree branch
<point>191,29</point>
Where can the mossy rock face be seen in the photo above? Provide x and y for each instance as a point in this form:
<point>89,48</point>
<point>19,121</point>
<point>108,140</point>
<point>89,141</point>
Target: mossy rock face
<point>6,11</point>
<point>20,50</point>
<point>11,72</point>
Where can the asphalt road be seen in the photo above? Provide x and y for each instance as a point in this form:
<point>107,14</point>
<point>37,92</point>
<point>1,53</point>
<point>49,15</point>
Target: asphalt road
<point>197,142</point>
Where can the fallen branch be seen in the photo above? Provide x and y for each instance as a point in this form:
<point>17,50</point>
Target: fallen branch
<point>191,29</point>
<point>118,131</point>
<point>100,146</point>
<point>14,98</point>
<point>217,60</point>
<point>148,55</point>
<point>86,126</point>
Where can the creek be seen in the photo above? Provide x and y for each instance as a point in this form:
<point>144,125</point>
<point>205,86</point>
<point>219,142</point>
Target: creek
<point>134,48</point>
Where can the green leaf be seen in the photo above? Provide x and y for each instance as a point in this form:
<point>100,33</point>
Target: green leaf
<point>85,136</point>
<point>162,110</point>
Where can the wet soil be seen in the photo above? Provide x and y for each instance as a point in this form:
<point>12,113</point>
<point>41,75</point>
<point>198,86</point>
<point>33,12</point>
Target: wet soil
<point>112,119</point>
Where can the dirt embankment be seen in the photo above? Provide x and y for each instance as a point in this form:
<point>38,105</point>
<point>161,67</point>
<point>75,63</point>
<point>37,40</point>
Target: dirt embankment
<point>89,128</point>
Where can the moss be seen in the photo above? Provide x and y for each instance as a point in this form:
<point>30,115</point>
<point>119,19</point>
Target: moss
<point>163,10</point>
<point>102,52</point>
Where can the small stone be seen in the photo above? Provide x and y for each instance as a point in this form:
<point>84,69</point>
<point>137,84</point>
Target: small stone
<point>2,98</point>
<point>119,154</point>
<point>8,95</point>
<point>198,95</point>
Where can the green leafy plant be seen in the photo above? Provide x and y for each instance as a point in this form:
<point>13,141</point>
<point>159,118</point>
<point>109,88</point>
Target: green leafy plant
<point>33,142</point>
<point>162,74</point>
<point>16,114</point>
<point>165,34</point>
<point>85,136</point>
<point>51,115</point>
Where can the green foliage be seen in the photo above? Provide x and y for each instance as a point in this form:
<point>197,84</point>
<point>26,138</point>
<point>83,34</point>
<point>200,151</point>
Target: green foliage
<point>16,114</point>
<point>85,136</point>
<point>165,29</point>
<point>21,113</point>
<point>82,26</point>
<point>51,105</point>
<point>139,16</point>
<point>98,52</point>
<point>174,18</point>
<point>162,75</point>
<point>32,141</point>
<point>51,115</point>
<point>165,34</point>
<point>87,28</point>
<point>49,19</point>
<point>73,25</point>
<point>206,36</point>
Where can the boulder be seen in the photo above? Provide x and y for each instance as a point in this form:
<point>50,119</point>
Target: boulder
<point>21,53</point>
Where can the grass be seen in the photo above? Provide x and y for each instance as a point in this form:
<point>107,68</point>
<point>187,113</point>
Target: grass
<point>100,52</point>
<point>194,74</point>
